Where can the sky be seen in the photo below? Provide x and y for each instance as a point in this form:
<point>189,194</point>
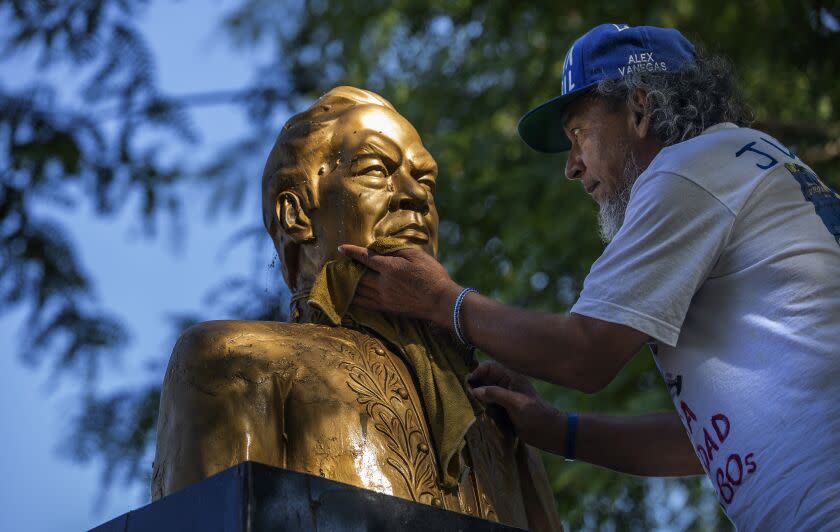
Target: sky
<point>140,280</point>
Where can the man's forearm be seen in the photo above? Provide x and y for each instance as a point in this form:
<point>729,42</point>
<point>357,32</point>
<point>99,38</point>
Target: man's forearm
<point>568,350</point>
<point>651,445</point>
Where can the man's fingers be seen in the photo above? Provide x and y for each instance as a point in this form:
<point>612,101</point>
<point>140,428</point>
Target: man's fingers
<point>364,256</point>
<point>489,373</point>
<point>369,279</point>
<point>409,253</point>
<point>354,252</point>
<point>359,254</point>
<point>507,399</point>
<point>366,302</point>
<point>365,291</point>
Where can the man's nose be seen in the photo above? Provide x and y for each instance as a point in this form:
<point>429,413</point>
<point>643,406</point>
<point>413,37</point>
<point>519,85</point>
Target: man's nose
<point>574,164</point>
<point>409,194</point>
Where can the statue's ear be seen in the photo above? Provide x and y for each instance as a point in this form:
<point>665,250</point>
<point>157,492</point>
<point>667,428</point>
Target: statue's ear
<point>293,219</point>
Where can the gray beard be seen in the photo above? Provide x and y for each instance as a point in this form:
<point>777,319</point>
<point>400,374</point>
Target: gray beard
<point>612,210</point>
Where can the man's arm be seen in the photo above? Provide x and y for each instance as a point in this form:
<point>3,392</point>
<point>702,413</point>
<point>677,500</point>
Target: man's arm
<point>674,231</point>
<point>567,349</point>
<point>650,445</point>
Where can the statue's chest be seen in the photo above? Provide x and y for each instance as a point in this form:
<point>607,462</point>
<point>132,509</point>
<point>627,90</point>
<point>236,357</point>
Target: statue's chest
<point>387,433</point>
<point>377,427</point>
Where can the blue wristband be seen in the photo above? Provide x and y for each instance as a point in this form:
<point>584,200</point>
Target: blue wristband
<point>571,435</point>
<point>456,317</point>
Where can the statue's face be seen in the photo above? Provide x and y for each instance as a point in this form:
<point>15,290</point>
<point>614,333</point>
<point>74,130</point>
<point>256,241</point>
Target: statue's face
<point>383,185</point>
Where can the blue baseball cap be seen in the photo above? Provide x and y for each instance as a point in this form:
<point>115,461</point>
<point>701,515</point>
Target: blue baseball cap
<point>608,51</point>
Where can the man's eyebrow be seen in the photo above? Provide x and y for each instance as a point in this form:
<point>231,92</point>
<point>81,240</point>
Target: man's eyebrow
<point>381,145</point>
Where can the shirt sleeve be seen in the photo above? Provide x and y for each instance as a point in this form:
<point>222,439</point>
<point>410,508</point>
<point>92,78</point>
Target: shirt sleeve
<point>673,234</point>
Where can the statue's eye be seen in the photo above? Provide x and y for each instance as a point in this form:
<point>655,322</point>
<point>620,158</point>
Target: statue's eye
<point>429,183</point>
<point>369,166</point>
<point>375,170</point>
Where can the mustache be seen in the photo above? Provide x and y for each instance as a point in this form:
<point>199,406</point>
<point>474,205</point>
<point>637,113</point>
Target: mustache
<point>612,211</point>
<point>417,222</point>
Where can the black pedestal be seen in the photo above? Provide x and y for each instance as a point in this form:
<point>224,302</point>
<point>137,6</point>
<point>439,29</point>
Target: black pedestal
<point>253,497</point>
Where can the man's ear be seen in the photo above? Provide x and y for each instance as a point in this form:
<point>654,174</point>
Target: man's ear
<point>640,114</point>
<point>293,219</point>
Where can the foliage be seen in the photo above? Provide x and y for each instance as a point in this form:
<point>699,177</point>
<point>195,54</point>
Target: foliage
<point>462,72</point>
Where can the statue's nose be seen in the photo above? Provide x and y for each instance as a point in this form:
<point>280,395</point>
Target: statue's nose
<point>409,194</point>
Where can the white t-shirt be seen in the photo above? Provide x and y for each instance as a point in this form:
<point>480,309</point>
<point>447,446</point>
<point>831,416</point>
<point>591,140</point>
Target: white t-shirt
<point>729,258</point>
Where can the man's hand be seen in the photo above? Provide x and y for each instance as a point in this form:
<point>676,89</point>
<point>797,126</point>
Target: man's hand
<point>566,349</point>
<point>409,282</point>
<point>651,445</point>
<point>536,422</point>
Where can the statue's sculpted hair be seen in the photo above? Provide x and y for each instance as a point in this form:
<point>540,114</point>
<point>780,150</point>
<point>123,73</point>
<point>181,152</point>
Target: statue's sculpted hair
<point>302,153</point>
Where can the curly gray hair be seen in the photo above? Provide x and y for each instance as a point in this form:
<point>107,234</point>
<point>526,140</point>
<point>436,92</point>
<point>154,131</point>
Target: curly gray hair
<point>683,104</point>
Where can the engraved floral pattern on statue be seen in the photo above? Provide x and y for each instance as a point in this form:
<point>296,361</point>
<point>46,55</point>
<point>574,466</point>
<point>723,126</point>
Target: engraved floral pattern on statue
<point>383,392</point>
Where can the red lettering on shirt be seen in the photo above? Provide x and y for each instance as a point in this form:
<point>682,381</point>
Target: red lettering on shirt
<point>733,464</point>
<point>721,425</point>
<point>729,473</point>
<point>749,460</point>
<point>711,446</point>
<point>688,415</point>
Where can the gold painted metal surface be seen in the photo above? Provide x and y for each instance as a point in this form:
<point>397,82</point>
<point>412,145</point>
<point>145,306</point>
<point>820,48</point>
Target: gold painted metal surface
<point>333,401</point>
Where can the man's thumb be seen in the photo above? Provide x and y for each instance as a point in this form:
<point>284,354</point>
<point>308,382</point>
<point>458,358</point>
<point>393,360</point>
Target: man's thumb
<point>503,397</point>
<point>363,256</point>
<point>409,253</point>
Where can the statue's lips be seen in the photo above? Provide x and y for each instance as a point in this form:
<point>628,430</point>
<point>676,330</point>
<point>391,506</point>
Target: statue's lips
<point>412,232</point>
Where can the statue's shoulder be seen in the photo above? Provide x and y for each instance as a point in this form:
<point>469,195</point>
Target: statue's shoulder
<point>263,340</point>
<point>214,354</point>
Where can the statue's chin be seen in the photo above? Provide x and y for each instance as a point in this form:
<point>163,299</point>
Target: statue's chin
<point>418,240</point>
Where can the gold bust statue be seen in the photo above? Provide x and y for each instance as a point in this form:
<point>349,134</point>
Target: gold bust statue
<point>370,400</point>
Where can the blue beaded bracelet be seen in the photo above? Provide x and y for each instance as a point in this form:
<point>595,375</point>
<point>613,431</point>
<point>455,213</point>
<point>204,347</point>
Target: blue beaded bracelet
<point>571,435</point>
<point>456,317</point>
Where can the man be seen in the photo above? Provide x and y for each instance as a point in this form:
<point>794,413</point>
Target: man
<point>723,254</point>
